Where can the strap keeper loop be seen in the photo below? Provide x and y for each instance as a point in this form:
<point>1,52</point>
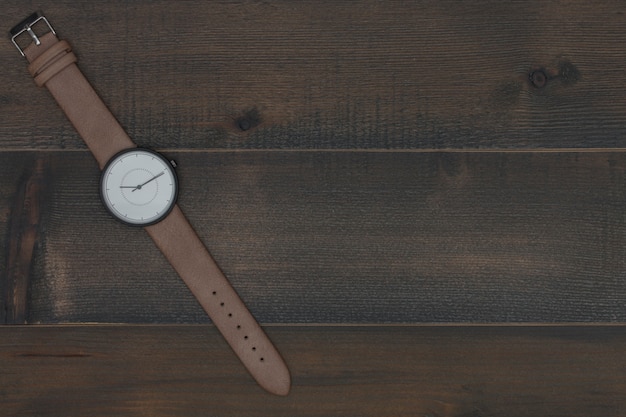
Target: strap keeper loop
<point>51,62</point>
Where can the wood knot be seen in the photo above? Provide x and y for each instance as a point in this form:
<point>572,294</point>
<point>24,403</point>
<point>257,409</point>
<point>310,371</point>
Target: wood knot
<point>248,120</point>
<point>566,72</point>
<point>538,78</point>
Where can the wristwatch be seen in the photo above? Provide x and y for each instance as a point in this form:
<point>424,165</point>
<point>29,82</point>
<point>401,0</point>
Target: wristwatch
<point>139,187</point>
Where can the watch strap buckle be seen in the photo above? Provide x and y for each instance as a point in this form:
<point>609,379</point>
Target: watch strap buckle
<point>26,26</point>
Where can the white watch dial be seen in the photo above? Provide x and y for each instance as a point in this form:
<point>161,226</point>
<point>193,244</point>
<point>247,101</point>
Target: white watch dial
<point>139,186</point>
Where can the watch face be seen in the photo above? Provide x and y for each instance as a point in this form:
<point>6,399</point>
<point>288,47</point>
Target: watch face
<point>139,186</point>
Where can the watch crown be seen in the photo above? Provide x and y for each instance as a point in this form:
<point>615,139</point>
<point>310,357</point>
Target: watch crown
<point>174,164</point>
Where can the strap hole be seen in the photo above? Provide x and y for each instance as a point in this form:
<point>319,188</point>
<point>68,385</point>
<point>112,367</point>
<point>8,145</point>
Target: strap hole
<point>245,337</point>
<point>262,359</point>
<point>214,292</point>
<point>230,314</point>
<point>222,304</point>
<point>253,348</point>
<point>238,327</point>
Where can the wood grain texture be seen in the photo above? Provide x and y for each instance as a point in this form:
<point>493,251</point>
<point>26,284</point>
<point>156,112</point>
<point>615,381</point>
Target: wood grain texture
<point>339,371</point>
<point>349,237</point>
<point>339,75</point>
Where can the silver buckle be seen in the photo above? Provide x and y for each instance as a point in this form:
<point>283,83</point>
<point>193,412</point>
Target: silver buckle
<point>26,25</point>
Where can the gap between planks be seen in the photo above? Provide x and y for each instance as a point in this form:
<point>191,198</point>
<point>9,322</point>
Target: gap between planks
<point>338,325</point>
<point>343,150</point>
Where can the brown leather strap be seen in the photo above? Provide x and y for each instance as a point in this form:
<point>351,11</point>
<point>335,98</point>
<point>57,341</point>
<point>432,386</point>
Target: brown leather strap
<point>52,64</point>
<point>182,247</point>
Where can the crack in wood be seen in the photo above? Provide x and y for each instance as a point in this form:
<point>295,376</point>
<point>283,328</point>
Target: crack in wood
<point>51,355</point>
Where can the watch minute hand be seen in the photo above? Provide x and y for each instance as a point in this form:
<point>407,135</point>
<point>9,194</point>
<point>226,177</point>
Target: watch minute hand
<point>151,179</point>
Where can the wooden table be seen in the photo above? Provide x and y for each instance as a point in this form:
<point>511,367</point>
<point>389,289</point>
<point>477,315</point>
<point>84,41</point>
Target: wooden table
<point>422,203</point>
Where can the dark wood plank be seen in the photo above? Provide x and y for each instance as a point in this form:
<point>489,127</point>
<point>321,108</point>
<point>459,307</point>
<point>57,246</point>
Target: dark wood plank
<point>427,74</point>
<point>21,241</point>
<point>339,371</point>
<point>349,237</point>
